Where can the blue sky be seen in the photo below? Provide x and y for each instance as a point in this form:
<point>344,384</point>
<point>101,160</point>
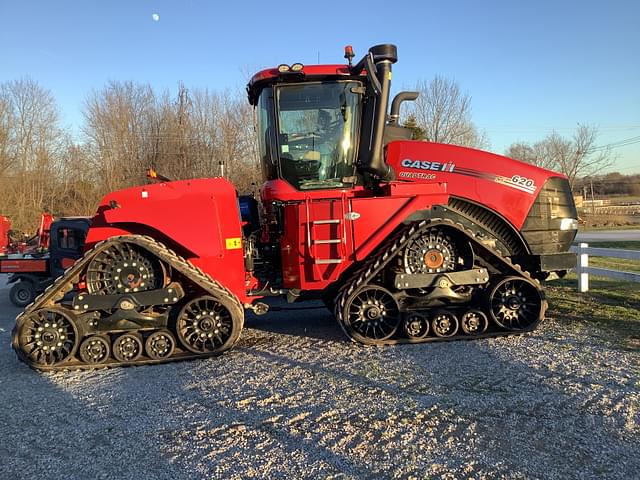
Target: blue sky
<point>529,68</point>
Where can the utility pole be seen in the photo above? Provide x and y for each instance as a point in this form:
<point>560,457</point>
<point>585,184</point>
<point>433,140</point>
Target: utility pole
<point>593,204</point>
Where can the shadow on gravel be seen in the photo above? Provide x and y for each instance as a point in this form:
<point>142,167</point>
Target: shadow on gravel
<point>308,320</point>
<point>46,432</point>
<point>296,400</point>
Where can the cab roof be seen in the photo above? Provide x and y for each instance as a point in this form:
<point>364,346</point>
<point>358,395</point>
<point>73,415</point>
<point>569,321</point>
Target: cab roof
<point>309,72</point>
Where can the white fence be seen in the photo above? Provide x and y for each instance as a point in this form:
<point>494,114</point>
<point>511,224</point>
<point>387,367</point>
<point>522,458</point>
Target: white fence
<point>583,269</point>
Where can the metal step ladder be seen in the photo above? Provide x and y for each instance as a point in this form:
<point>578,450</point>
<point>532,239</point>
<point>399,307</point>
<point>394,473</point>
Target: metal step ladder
<point>340,239</point>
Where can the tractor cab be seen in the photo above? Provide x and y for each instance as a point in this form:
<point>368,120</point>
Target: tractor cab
<point>324,126</point>
<point>316,128</point>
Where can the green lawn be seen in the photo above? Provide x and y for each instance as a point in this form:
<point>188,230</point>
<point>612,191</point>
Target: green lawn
<point>611,305</point>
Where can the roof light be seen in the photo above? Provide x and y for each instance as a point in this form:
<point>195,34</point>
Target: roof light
<point>283,68</point>
<point>297,67</point>
<point>348,54</point>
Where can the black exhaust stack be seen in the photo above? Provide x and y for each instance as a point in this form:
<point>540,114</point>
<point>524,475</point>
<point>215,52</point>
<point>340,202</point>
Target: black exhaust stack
<point>377,64</point>
<point>394,116</point>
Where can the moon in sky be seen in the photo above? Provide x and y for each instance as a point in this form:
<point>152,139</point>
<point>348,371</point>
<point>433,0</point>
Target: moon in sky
<point>155,17</point>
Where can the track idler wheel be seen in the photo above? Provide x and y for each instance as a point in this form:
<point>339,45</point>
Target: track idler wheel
<point>47,337</point>
<point>127,347</point>
<point>95,350</point>
<point>160,345</point>
<point>474,322</point>
<point>444,324</point>
<point>516,304</point>
<point>415,326</point>
<point>205,325</point>
<point>371,315</point>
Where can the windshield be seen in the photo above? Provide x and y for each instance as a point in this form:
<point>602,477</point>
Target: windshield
<point>318,127</point>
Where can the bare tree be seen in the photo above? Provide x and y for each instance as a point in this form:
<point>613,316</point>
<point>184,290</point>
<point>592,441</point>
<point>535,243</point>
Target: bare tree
<point>574,157</point>
<point>117,126</point>
<point>443,112</point>
<point>194,134</point>
<point>31,144</point>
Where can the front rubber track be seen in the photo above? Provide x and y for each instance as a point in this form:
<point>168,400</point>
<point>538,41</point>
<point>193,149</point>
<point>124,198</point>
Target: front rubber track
<point>63,284</point>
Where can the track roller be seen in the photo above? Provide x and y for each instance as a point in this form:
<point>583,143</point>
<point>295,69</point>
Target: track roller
<point>95,350</point>
<point>415,326</point>
<point>474,322</point>
<point>127,347</point>
<point>160,345</point>
<point>444,323</point>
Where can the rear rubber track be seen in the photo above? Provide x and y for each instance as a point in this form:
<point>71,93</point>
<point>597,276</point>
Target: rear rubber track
<point>394,246</point>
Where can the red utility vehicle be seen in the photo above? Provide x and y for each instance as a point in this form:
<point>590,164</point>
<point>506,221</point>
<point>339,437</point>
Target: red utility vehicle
<point>405,241</point>
<point>56,246</point>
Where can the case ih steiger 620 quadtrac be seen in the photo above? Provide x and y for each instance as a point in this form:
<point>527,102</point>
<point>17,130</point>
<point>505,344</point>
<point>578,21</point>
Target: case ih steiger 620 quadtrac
<point>405,241</point>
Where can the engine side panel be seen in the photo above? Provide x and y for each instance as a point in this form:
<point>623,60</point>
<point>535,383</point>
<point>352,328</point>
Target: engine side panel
<point>502,184</point>
<point>199,219</point>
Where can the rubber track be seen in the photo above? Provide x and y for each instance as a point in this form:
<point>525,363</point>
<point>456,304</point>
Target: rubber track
<point>64,284</point>
<point>376,263</point>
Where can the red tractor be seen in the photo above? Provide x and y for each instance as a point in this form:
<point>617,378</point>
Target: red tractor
<point>405,241</point>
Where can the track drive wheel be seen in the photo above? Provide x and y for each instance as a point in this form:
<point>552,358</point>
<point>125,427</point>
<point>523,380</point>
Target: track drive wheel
<point>436,250</point>
<point>516,304</point>
<point>370,315</point>
<point>205,325</point>
<point>47,337</point>
<point>125,268</point>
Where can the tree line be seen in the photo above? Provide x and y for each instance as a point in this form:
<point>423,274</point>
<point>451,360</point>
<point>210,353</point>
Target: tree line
<point>129,127</point>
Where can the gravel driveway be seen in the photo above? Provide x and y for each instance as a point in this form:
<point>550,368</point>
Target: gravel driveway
<point>295,400</point>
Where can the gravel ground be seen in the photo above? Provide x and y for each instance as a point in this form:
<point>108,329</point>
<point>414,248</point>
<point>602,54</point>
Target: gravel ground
<point>295,400</point>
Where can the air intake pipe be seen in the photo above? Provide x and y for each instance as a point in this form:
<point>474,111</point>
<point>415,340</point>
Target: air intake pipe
<point>378,66</point>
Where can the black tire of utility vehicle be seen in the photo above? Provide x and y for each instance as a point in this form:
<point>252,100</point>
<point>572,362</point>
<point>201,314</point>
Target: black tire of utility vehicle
<point>22,293</point>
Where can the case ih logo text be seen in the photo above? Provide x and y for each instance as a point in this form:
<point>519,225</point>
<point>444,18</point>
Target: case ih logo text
<point>426,165</point>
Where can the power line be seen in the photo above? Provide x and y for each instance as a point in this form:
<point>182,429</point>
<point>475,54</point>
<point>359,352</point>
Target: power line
<point>538,129</point>
<point>620,143</point>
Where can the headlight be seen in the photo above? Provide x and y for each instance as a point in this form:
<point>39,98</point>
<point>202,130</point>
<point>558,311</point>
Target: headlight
<point>568,224</point>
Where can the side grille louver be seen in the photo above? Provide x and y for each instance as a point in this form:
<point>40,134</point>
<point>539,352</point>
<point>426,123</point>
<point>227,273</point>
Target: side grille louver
<point>489,222</point>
